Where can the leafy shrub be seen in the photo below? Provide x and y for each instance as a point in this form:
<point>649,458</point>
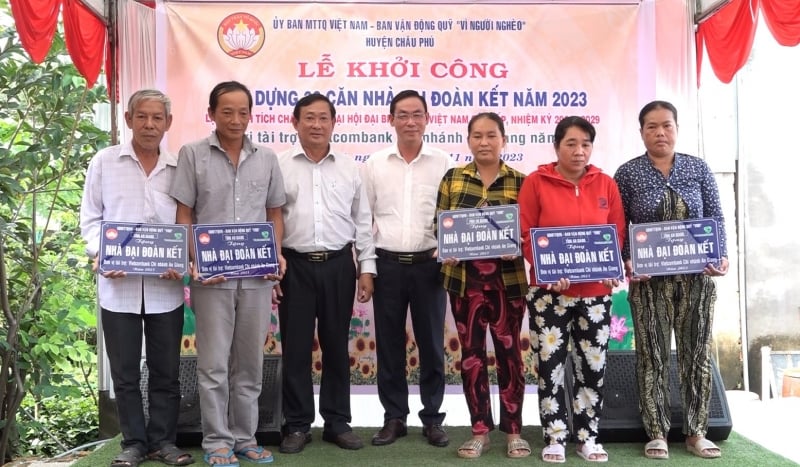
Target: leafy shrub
<point>60,423</point>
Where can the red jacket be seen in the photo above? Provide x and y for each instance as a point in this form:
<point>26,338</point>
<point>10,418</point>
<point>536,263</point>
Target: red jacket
<point>546,199</point>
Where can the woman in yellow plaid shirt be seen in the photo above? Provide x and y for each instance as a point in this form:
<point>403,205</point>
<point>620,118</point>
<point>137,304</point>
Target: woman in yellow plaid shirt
<point>487,293</point>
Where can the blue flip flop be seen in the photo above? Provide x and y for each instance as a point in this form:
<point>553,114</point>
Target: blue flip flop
<point>227,455</point>
<point>257,450</point>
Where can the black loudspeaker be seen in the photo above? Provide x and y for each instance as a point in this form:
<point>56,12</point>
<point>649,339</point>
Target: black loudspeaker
<point>190,432</point>
<point>621,421</point>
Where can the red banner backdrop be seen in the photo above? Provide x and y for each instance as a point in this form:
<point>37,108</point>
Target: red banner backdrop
<point>84,33</point>
<point>728,35</point>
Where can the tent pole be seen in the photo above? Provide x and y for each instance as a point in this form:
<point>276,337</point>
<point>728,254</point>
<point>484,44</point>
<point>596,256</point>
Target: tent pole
<point>113,93</point>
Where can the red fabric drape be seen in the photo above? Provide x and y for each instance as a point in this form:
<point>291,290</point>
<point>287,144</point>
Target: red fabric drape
<point>84,33</point>
<point>783,20</point>
<point>85,36</point>
<point>36,24</point>
<point>728,37</point>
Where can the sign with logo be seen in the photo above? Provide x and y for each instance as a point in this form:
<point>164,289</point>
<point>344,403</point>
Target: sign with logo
<point>142,249</point>
<point>488,232</point>
<point>579,253</point>
<point>235,250</point>
<point>674,247</point>
<point>240,35</point>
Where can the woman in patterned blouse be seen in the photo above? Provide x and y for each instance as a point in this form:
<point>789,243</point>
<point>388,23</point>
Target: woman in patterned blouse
<point>487,292</point>
<point>662,185</point>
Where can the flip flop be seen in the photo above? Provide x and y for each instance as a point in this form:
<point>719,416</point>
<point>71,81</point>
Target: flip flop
<point>656,445</point>
<point>556,450</point>
<point>701,446</point>
<point>473,448</point>
<point>590,449</point>
<point>225,455</point>
<point>257,450</point>
<point>518,444</point>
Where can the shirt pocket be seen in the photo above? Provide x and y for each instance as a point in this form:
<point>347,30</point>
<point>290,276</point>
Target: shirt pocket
<point>340,196</point>
<point>256,193</point>
<point>424,201</point>
<point>165,207</point>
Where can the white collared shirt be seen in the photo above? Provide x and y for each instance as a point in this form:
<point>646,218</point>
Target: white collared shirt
<point>402,196</point>
<point>117,189</point>
<point>326,206</point>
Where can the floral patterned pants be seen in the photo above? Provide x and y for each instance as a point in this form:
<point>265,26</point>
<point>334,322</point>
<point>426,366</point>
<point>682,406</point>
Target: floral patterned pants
<point>554,319</point>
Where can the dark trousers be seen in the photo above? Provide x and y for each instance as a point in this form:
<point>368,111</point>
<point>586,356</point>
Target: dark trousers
<point>318,293</point>
<point>396,287</point>
<point>123,338</point>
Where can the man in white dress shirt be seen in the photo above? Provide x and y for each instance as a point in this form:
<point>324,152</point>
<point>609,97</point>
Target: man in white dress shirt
<point>325,215</point>
<point>130,183</point>
<point>402,182</point>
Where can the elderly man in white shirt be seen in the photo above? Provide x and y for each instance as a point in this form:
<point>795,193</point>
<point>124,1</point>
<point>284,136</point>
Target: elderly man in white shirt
<point>402,182</point>
<point>130,183</point>
<point>326,214</point>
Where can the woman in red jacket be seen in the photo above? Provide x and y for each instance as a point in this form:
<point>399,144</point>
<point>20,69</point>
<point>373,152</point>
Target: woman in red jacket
<point>570,192</point>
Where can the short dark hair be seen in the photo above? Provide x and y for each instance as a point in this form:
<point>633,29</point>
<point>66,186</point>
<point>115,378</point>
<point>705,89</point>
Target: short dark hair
<point>408,93</point>
<point>491,116</point>
<point>224,88</point>
<point>568,122</point>
<point>657,105</point>
<point>310,99</point>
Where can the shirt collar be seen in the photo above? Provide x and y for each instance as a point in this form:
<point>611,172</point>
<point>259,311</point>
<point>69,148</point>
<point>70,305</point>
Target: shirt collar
<point>247,145</point>
<point>472,170</point>
<point>164,156</point>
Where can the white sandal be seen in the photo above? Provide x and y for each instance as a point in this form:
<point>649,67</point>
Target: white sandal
<point>556,450</point>
<point>589,449</point>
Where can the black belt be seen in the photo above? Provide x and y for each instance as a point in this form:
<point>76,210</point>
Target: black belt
<point>317,256</point>
<point>406,258</point>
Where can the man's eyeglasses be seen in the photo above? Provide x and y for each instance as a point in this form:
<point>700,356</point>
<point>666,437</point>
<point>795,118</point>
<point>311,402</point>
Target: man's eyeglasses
<point>404,117</point>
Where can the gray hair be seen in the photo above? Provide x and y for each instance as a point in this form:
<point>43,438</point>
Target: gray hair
<point>149,94</point>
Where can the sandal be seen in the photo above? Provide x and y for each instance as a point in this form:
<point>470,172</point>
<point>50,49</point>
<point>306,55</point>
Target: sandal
<point>589,449</point>
<point>258,451</point>
<point>226,455</point>
<point>518,448</point>
<point>701,448</point>
<point>555,450</point>
<point>171,455</point>
<point>660,446</point>
<point>473,448</point>
<point>129,457</point>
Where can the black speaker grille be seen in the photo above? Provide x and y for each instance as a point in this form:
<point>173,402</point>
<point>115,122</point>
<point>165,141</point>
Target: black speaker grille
<point>621,420</point>
<point>270,414</point>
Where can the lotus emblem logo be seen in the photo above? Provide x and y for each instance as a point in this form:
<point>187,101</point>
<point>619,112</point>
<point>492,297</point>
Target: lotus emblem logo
<point>240,35</point>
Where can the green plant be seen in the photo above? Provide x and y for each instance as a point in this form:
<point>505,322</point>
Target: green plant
<point>46,139</point>
<point>55,424</point>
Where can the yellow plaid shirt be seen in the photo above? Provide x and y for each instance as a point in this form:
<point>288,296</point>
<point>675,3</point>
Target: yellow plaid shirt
<point>461,188</point>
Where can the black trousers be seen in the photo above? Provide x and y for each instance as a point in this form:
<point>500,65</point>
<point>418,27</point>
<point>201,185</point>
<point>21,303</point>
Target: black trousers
<point>396,287</point>
<point>122,333</point>
<point>321,294</point>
